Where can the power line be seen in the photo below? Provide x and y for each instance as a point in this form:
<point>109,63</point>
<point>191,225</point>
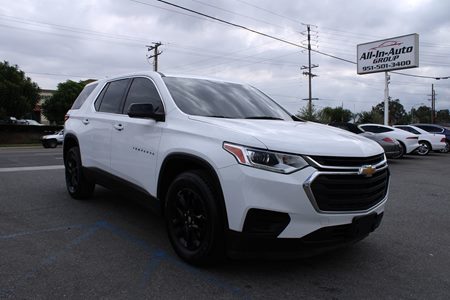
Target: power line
<point>273,37</point>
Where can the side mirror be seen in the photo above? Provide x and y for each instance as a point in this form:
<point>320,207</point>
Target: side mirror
<point>146,111</point>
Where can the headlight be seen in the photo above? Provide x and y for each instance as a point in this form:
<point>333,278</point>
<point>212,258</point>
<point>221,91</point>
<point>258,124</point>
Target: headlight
<point>267,160</point>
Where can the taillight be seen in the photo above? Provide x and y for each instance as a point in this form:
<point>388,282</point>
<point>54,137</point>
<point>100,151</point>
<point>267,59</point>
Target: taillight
<point>443,140</point>
<point>66,117</point>
<point>388,140</point>
<point>412,138</point>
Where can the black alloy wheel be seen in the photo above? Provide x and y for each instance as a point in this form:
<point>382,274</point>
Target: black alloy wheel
<point>77,185</point>
<point>193,220</point>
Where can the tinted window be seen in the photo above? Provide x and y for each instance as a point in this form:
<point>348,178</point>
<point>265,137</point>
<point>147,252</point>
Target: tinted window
<point>113,96</point>
<point>409,129</point>
<point>100,98</point>
<point>222,99</point>
<point>432,129</point>
<point>143,91</point>
<point>83,96</point>
<point>375,129</point>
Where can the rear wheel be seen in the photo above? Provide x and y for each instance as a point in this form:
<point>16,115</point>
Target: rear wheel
<point>193,219</point>
<point>77,184</point>
<point>447,147</point>
<point>424,148</point>
<point>402,151</point>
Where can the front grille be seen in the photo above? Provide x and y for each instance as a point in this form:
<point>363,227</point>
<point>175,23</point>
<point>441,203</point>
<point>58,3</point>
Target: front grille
<point>350,192</point>
<point>348,161</point>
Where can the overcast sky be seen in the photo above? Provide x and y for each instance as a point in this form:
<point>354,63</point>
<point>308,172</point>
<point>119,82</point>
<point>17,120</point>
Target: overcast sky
<point>53,41</point>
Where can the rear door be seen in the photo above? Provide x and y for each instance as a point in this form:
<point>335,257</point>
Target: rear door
<point>135,141</point>
<point>96,138</point>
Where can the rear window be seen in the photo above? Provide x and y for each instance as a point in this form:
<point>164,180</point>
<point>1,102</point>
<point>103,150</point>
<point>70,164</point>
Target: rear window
<point>83,96</point>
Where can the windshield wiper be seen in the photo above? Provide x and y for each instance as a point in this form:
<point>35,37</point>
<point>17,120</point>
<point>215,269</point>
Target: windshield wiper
<point>264,118</point>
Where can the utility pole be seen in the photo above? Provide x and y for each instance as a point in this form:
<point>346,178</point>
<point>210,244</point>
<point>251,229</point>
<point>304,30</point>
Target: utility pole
<point>155,55</point>
<point>309,73</point>
<point>387,79</point>
<point>433,104</point>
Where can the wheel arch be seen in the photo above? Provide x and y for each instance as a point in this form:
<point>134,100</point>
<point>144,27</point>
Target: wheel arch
<point>177,163</point>
<point>70,141</point>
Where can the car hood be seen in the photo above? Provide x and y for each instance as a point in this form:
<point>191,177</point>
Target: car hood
<point>298,137</point>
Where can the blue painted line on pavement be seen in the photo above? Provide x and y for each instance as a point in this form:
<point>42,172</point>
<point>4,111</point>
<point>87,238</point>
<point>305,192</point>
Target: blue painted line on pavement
<point>157,257</point>
<point>19,234</point>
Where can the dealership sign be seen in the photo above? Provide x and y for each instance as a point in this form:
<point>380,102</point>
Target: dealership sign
<point>396,53</point>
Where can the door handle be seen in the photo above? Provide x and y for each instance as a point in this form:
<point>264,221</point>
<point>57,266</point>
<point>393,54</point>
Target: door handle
<point>118,127</point>
<point>85,121</point>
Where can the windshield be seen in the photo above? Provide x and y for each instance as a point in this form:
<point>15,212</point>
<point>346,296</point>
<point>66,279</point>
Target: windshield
<point>222,100</point>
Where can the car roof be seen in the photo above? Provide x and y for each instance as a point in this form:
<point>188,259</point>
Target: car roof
<point>162,75</point>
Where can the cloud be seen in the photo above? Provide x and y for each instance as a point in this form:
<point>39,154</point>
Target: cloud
<point>59,40</point>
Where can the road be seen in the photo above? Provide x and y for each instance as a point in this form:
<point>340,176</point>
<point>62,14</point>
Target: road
<point>52,246</point>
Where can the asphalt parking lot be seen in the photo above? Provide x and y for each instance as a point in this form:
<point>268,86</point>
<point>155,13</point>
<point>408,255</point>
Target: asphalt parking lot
<point>52,246</point>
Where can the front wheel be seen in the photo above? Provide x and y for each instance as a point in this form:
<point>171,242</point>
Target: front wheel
<point>77,184</point>
<point>193,219</point>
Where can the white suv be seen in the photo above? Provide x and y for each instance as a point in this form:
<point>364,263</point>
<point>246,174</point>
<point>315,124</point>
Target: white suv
<point>232,172</point>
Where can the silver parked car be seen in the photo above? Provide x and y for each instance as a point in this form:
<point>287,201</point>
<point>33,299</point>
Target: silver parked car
<point>53,140</point>
<point>391,146</point>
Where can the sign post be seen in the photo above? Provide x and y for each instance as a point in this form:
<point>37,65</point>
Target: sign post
<point>396,53</point>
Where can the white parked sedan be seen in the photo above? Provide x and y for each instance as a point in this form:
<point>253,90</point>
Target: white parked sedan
<point>428,141</point>
<point>408,141</point>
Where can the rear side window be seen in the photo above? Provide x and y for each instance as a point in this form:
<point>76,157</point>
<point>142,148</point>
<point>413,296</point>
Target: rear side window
<point>409,129</point>
<point>376,129</point>
<point>432,129</point>
<point>113,96</point>
<point>143,90</point>
<point>83,96</point>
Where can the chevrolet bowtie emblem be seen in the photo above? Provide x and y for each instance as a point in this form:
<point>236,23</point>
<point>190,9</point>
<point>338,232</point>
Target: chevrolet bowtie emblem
<point>367,171</point>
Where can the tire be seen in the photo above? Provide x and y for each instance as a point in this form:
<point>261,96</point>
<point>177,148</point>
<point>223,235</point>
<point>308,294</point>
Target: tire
<point>45,145</point>
<point>402,151</point>
<point>424,148</point>
<point>193,219</point>
<point>52,144</point>
<point>77,184</point>
<point>447,147</point>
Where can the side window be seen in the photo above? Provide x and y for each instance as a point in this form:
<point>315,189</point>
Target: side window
<point>383,129</point>
<point>406,128</point>
<point>112,99</point>
<point>142,90</point>
<point>370,128</point>
<point>434,129</point>
<point>100,98</point>
<point>83,96</point>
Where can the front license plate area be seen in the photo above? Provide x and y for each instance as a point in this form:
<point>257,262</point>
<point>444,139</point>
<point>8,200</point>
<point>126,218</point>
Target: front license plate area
<point>364,225</point>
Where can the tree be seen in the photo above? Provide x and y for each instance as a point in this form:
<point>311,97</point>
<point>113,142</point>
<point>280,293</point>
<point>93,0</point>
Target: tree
<point>421,115</point>
<point>18,94</point>
<point>57,106</point>
<point>370,117</point>
<point>304,114</point>
<point>397,113</point>
<point>338,114</point>
<point>443,116</point>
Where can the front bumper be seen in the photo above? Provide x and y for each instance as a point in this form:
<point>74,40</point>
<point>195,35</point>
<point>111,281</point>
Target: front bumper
<point>245,245</point>
<point>247,188</point>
